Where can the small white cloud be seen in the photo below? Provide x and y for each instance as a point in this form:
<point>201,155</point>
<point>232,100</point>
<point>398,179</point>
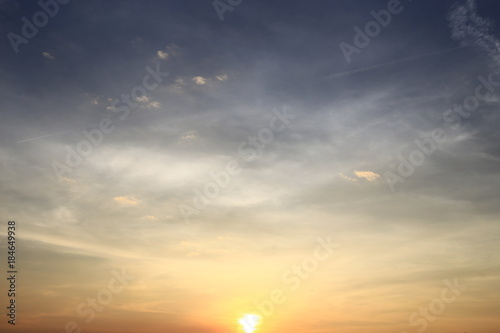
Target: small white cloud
<point>154,105</point>
<point>169,51</point>
<point>143,99</point>
<point>368,175</point>
<point>47,55</point>
<point>127,200</point>
<point>347,178</point>
<point>189,136</point>
<point>199,80</point>
<point>162,55</point>
<point>222,77</point>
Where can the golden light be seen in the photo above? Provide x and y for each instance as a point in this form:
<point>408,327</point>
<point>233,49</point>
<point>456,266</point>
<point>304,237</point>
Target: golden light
<point>250,322</point>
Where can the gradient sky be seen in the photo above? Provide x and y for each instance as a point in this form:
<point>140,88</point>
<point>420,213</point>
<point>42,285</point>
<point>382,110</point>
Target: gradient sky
<point>323,175</point>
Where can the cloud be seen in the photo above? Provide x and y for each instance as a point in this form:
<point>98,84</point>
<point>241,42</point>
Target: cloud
<point>69,180</point>
<point>173,50</point>
<point>391,63</point>
<point>127,200</point>
<point>169,51</point>
<point>368,175</point>
<point>143,99</point>
<point>199,80</point>
<point>222,77</point>
<point>162,55</point>
<point>470,29</point>
<point>47,55</point>
<point>66,215</point>
<point>148,103</point>
<point>348,178</point>
<point>315,174</point>
<point>154,105</point>
<point>189,136</point>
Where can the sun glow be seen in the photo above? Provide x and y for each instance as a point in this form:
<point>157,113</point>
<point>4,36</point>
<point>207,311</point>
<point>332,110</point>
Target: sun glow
<point>250,322</point>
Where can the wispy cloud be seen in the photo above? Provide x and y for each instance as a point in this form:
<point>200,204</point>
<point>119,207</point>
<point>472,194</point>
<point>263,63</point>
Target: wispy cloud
<point>200,80</point>
<point>368,175</point>
<point>470,29</point>
<point>127,200</point>
<point>390,63</point>
<point>162,55</point>
<point>47,55</point>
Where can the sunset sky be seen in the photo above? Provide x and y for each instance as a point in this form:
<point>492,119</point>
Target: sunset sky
<point>298,166</point>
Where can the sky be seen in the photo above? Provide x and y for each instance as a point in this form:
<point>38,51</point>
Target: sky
<point>250,166</point>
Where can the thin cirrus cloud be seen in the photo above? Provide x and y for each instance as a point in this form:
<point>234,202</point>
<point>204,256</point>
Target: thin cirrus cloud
<point>469,28</point>
<point>127,200</point>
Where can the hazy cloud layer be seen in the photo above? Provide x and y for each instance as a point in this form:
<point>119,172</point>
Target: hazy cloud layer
<point>324,173</point>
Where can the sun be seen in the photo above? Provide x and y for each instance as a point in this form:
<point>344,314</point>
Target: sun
<point>250,322</point>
